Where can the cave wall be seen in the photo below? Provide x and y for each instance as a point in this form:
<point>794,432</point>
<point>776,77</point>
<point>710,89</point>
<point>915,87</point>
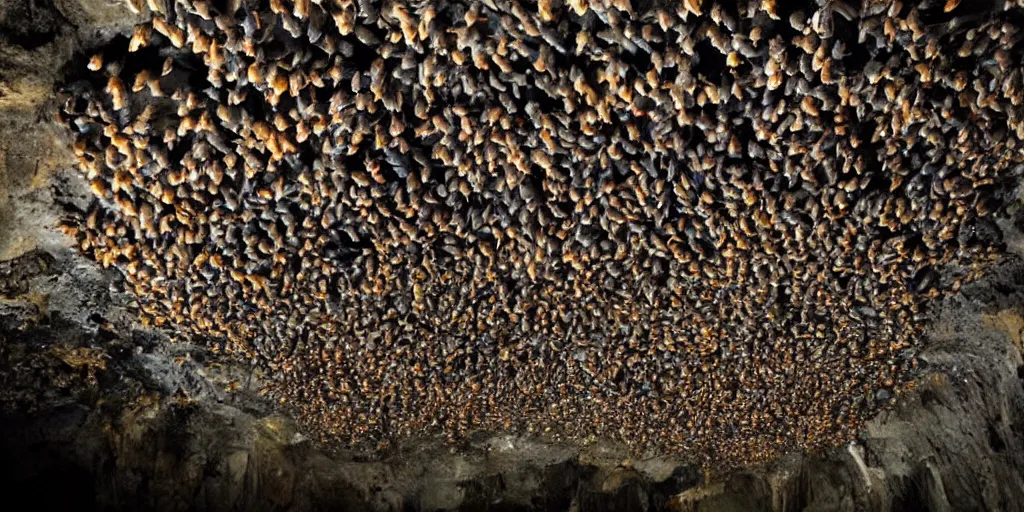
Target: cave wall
<point>98,414</point>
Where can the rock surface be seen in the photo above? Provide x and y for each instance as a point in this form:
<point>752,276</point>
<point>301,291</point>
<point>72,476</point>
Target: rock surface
<point>97,414</point>
<point>121,419</point>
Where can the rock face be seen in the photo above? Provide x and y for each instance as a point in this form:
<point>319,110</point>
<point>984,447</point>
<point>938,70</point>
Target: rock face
<point>100,417</point>
<point>97,413</point>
